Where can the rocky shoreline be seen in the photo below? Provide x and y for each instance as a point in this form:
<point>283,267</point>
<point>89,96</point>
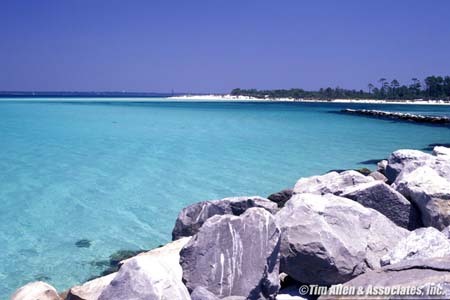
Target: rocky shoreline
<point>398,116</point>
<point>389,228</point>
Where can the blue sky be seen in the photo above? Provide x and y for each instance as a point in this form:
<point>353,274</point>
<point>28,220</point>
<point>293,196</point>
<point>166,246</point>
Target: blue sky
<point>214,46</point>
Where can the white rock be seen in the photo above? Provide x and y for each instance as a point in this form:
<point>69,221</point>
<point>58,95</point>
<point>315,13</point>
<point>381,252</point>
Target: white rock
<point>430,192</point>
<point>92,289</point>
<point>403,159</point>
<point>329,239</point>
<point>156,274</point>
<point>37,290</point>
<point>440,150</point>
<point>333,183</point>
<point>421,243</point>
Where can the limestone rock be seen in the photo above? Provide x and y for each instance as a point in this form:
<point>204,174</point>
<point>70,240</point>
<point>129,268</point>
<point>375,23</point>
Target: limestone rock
<point>430,192</point>
<point>421,243</point>
<point>399,160</point>
<point>90,290</point>
<point>333,183</point>
<point>156,274</point>
<point>440,150</point>
<point>425,275</point>
<point>378,176</point>
<point>329,239</point>
<point>389,202</point>
<point>191,218</point>
<point>234,256</point>
<point>37,290</point>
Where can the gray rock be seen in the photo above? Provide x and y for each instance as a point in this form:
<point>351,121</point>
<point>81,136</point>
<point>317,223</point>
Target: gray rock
<point>333,183</point>
<point>440,150</point>
<point>419,244</point>
<point>234,256</point>
<point>429,191</point>
<point>201,293</point>
<point>378,176</point>
<point>191,218</point>
<point>281,197</point>
<point>402,159</point>
<point>156,274</point>
<point>90,290</point>
<point>329,239</point>
<point>389,202</point>
<point>381,166</point>
<point>37,290</point>
<point>422,274</point>
<point>446,232</point>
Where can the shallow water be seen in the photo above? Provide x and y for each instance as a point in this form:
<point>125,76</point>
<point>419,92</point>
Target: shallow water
<point>117,174</point>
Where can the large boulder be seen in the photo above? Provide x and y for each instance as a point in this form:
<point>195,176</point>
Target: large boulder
<point>234,256</point>
<point>429,191</point>
<point>421,243</point>
<point>328,239</point>
<point>333,183</point>
<point>90,290</point>
<point>156,274</point>
<point>405,159</point>
<point>410,279</point>
<point>389,202</point>
<point>191,218</point>
<point>37,290</point>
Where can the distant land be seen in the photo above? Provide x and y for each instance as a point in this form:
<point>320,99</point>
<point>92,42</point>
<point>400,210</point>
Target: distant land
<point>431,88</point>
<point>53,94</point>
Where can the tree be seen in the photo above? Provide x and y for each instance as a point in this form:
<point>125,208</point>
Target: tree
<point>394,86</point>
<point>370,86</point>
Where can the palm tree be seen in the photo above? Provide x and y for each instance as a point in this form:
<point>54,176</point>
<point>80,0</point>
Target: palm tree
<point>370,86</point>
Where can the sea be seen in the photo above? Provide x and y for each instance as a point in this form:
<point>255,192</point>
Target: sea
<point>80,180</point>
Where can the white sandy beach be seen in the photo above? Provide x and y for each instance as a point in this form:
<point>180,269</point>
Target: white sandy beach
<point>227,97</point>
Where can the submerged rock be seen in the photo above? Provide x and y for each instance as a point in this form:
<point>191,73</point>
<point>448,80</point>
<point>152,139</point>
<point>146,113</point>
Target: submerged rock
<point>83,243</point>
<point>234,256</point>
<point>191,218</point>
<point>112,264</point>
<point>155,274</point>
<point>421,243</point>
<point>37,290</point>
<point>333,183</point>
<point>389,202</point>
<point>281,197</point>
<point>329,239</point>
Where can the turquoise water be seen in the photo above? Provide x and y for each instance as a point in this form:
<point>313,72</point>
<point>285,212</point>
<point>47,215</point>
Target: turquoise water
<point>118,173</point>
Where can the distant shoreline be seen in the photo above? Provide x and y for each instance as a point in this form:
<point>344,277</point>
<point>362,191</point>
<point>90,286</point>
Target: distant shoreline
<point>228,97</point>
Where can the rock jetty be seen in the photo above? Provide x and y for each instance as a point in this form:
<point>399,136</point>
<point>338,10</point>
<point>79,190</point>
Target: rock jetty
<point>388,229</point>
<point>398,116</point>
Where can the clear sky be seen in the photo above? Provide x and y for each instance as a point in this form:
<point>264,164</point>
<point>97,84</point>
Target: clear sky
<point>214,46</point>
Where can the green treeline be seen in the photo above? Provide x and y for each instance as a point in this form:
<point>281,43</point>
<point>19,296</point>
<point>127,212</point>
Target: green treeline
<point>433,87</point>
